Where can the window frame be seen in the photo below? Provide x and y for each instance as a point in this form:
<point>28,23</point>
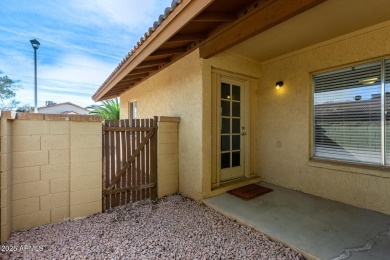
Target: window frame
<point>384,163</point>
<point>132,111</point>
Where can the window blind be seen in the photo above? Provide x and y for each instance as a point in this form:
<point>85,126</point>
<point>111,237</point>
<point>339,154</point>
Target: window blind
<point>347,113</point>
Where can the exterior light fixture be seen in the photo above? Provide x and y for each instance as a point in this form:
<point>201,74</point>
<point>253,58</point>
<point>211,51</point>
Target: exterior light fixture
<point>35,44</point>
<point>279,84</point>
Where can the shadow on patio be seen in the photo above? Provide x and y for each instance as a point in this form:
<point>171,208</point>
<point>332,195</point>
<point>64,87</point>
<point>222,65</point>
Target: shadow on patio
<point>316,227</point>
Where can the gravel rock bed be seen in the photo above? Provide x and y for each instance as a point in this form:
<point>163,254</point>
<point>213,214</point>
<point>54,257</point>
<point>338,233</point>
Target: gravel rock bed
<point>173,228</point>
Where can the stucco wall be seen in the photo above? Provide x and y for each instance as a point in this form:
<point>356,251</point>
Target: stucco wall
<point>177,92</point>
<point>284,118</point>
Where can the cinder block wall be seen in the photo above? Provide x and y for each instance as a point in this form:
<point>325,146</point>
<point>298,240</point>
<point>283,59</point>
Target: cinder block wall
<point>168,156</point>
<point>56,165</point>
<point>6,177</point>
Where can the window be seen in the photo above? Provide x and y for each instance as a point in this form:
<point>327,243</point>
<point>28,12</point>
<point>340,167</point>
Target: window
<point>351,114</point>
<point>132,110</point>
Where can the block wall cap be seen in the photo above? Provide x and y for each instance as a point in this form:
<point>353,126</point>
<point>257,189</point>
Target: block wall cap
<point>50,117</point>
<point>7,114</point>
<point>168,119</point>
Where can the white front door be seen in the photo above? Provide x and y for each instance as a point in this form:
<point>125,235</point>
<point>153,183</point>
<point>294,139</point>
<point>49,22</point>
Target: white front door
<point>232,129</point>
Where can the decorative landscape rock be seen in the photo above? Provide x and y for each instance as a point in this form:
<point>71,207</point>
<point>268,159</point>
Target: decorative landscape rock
<point>173,228</point>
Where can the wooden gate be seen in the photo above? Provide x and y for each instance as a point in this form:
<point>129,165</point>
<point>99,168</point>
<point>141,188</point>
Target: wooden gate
<point>129,161</point>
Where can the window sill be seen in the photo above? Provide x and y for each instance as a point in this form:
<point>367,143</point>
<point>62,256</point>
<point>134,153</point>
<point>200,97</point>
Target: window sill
<point>371,170</point>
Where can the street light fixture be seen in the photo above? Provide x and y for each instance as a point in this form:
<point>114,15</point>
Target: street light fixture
<point>35,44</point>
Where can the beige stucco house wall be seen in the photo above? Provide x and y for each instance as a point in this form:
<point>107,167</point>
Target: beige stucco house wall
<point>284,119</point>
<point>280,120</point>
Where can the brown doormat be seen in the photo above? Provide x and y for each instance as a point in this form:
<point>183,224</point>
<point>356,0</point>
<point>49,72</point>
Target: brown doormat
<point>250,191</point>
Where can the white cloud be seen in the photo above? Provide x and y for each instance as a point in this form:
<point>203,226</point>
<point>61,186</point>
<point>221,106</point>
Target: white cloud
<point>74,79</point>
<point>81,43</point>
<point>131,13</point>
<point>77,68</point>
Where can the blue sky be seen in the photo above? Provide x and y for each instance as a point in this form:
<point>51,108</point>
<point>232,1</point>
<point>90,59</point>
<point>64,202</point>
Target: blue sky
<point>81,43</point>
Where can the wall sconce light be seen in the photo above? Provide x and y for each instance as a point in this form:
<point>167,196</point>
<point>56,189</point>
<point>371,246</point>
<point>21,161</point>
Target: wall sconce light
<point>279,84</point>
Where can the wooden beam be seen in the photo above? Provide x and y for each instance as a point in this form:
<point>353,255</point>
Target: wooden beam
<point>123,129</point>
<point>132,188</point>
<point>172,51</point>
<point>188,37</point>
<point>215,17</point>
<point>130,77</point>
<point>152,63</point>
<point>143,71</point>
<point>108,96</point>
<point>254,23</point>
<point>122,85</point>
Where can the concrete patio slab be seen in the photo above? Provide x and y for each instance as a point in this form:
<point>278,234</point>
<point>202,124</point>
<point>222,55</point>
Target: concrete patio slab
<point>316,227</point>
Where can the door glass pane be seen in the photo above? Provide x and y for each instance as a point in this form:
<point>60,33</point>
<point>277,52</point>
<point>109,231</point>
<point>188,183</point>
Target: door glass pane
<point>235,159</point>
<point>236,125</point>
<point>236,93</point>
<point>230,106</point>
<point>225,127</point>
<point>236,109</point>
<point>225,91</point>
<point>225,108</point>
<point>236,142</point>
<point>225,142</point>
<point>225,160</point>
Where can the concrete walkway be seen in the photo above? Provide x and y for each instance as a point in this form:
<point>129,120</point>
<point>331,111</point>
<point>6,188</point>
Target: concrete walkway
<point>316,227</point>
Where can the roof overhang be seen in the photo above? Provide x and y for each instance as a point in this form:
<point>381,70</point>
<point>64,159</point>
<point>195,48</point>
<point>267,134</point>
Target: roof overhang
<point>210,25</point>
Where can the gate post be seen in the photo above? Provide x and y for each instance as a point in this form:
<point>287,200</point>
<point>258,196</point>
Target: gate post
<point>168,156</point>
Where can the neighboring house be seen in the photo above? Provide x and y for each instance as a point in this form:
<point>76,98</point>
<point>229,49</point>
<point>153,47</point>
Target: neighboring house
<point>63,108</point>
<point>215,64</point>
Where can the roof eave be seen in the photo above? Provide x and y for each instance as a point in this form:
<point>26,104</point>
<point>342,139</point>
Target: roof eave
<point>179,17</point>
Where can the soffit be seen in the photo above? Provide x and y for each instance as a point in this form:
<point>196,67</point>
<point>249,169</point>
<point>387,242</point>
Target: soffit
<point>183,40</point>
<point>187,25</point>
<point>333,18</point>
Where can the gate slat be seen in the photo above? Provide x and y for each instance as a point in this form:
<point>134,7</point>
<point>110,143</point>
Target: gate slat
<point>138,159</point>
<point>128,153</point>
<point>112,162</point>
<point>117,161</point>
<point>147,173</point>
<point>133,193</point>
<point>142,165</point>
<point>153,157</point>
<point>123,161</point>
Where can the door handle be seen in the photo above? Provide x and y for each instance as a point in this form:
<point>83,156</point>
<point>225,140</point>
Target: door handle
<point>243,133</point>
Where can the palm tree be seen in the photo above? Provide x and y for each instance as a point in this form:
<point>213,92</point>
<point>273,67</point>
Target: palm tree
<point>108,110</point>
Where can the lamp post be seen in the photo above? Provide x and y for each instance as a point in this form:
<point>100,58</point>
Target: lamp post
<point>35,44</point>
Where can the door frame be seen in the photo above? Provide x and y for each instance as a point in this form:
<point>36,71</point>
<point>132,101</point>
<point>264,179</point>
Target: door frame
<point>216,77</point>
